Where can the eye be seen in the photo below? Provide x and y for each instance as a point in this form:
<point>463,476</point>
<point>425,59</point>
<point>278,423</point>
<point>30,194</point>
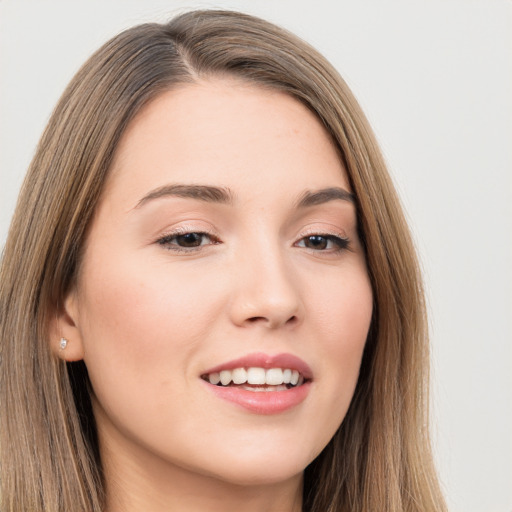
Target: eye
<point>186,241</point>
<point>320,242</point>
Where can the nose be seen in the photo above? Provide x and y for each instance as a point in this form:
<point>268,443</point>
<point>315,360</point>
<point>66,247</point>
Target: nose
<point>265,292</point>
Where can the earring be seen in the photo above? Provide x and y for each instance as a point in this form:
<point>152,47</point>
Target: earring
<point>63,343</point>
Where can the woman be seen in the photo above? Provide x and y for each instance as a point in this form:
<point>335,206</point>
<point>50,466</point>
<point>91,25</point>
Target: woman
<point>209,296</point>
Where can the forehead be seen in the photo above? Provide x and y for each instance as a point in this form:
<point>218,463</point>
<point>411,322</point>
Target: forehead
<point>228,133</point>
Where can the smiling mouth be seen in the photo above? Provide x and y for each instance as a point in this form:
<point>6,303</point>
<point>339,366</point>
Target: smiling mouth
<point>256,379</point>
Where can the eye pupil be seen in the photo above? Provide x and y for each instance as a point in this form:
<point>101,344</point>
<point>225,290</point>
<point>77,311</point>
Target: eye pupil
<point>189,240</point>
<point>316,242</point>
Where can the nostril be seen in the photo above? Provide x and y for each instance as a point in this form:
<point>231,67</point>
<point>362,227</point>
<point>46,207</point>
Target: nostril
<point>255,319</point>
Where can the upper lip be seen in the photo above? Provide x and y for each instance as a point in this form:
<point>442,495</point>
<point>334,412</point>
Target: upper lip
<point>261,360</point>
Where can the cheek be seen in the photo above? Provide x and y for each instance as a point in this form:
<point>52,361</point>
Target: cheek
<point>142,327</point>
<point>342,307</point>
<point>342,319</point>
<point>141,322</point>
<point>128,301</point>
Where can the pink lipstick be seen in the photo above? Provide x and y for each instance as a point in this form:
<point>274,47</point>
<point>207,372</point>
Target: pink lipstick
<point>261,383</point>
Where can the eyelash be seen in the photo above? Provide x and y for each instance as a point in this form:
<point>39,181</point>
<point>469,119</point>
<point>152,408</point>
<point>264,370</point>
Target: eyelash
<point>167,240</point>
<point>340,243</point>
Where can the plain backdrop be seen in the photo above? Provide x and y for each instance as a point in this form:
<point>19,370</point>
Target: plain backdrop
<point>435,79</point>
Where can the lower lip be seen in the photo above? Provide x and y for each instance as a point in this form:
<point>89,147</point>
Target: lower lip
<point>262,402</point>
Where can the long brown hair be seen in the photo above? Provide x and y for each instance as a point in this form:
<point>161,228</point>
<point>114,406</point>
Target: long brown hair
<point>380,458</point>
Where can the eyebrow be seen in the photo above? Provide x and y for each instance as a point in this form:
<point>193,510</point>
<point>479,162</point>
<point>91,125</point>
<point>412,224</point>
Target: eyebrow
<point>205,193</point>
<point>313,198</point>
<point>223,195</point>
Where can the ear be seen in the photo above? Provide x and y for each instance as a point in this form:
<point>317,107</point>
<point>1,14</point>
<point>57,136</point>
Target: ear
<point>65,326</point>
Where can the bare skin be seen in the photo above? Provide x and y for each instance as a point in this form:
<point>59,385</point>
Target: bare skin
<point>227,230</point>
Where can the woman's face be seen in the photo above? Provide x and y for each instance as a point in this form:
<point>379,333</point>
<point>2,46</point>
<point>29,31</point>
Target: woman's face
<point>226,239</point>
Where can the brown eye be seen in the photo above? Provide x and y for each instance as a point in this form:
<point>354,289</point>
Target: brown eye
<point>316,242</point>
<point>190,239</point>
<point>184,241</point>
<point>324,243</point>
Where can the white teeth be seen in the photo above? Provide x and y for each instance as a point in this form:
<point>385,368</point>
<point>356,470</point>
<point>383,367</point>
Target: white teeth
<point>225,377</point>
<point>275,377</point>
<point>256,376</point>
<point>214,378</point>
<point>239,376</point>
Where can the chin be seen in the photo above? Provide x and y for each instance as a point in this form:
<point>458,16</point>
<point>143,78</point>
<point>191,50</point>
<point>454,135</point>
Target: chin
<point>261,469</point>
<point>262,476</point>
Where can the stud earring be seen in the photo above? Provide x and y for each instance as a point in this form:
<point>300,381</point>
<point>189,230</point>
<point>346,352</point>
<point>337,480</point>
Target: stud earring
<point>63,343</point>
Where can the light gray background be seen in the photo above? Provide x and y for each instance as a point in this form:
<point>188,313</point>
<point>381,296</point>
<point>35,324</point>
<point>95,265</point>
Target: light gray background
<point>435,79</point>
